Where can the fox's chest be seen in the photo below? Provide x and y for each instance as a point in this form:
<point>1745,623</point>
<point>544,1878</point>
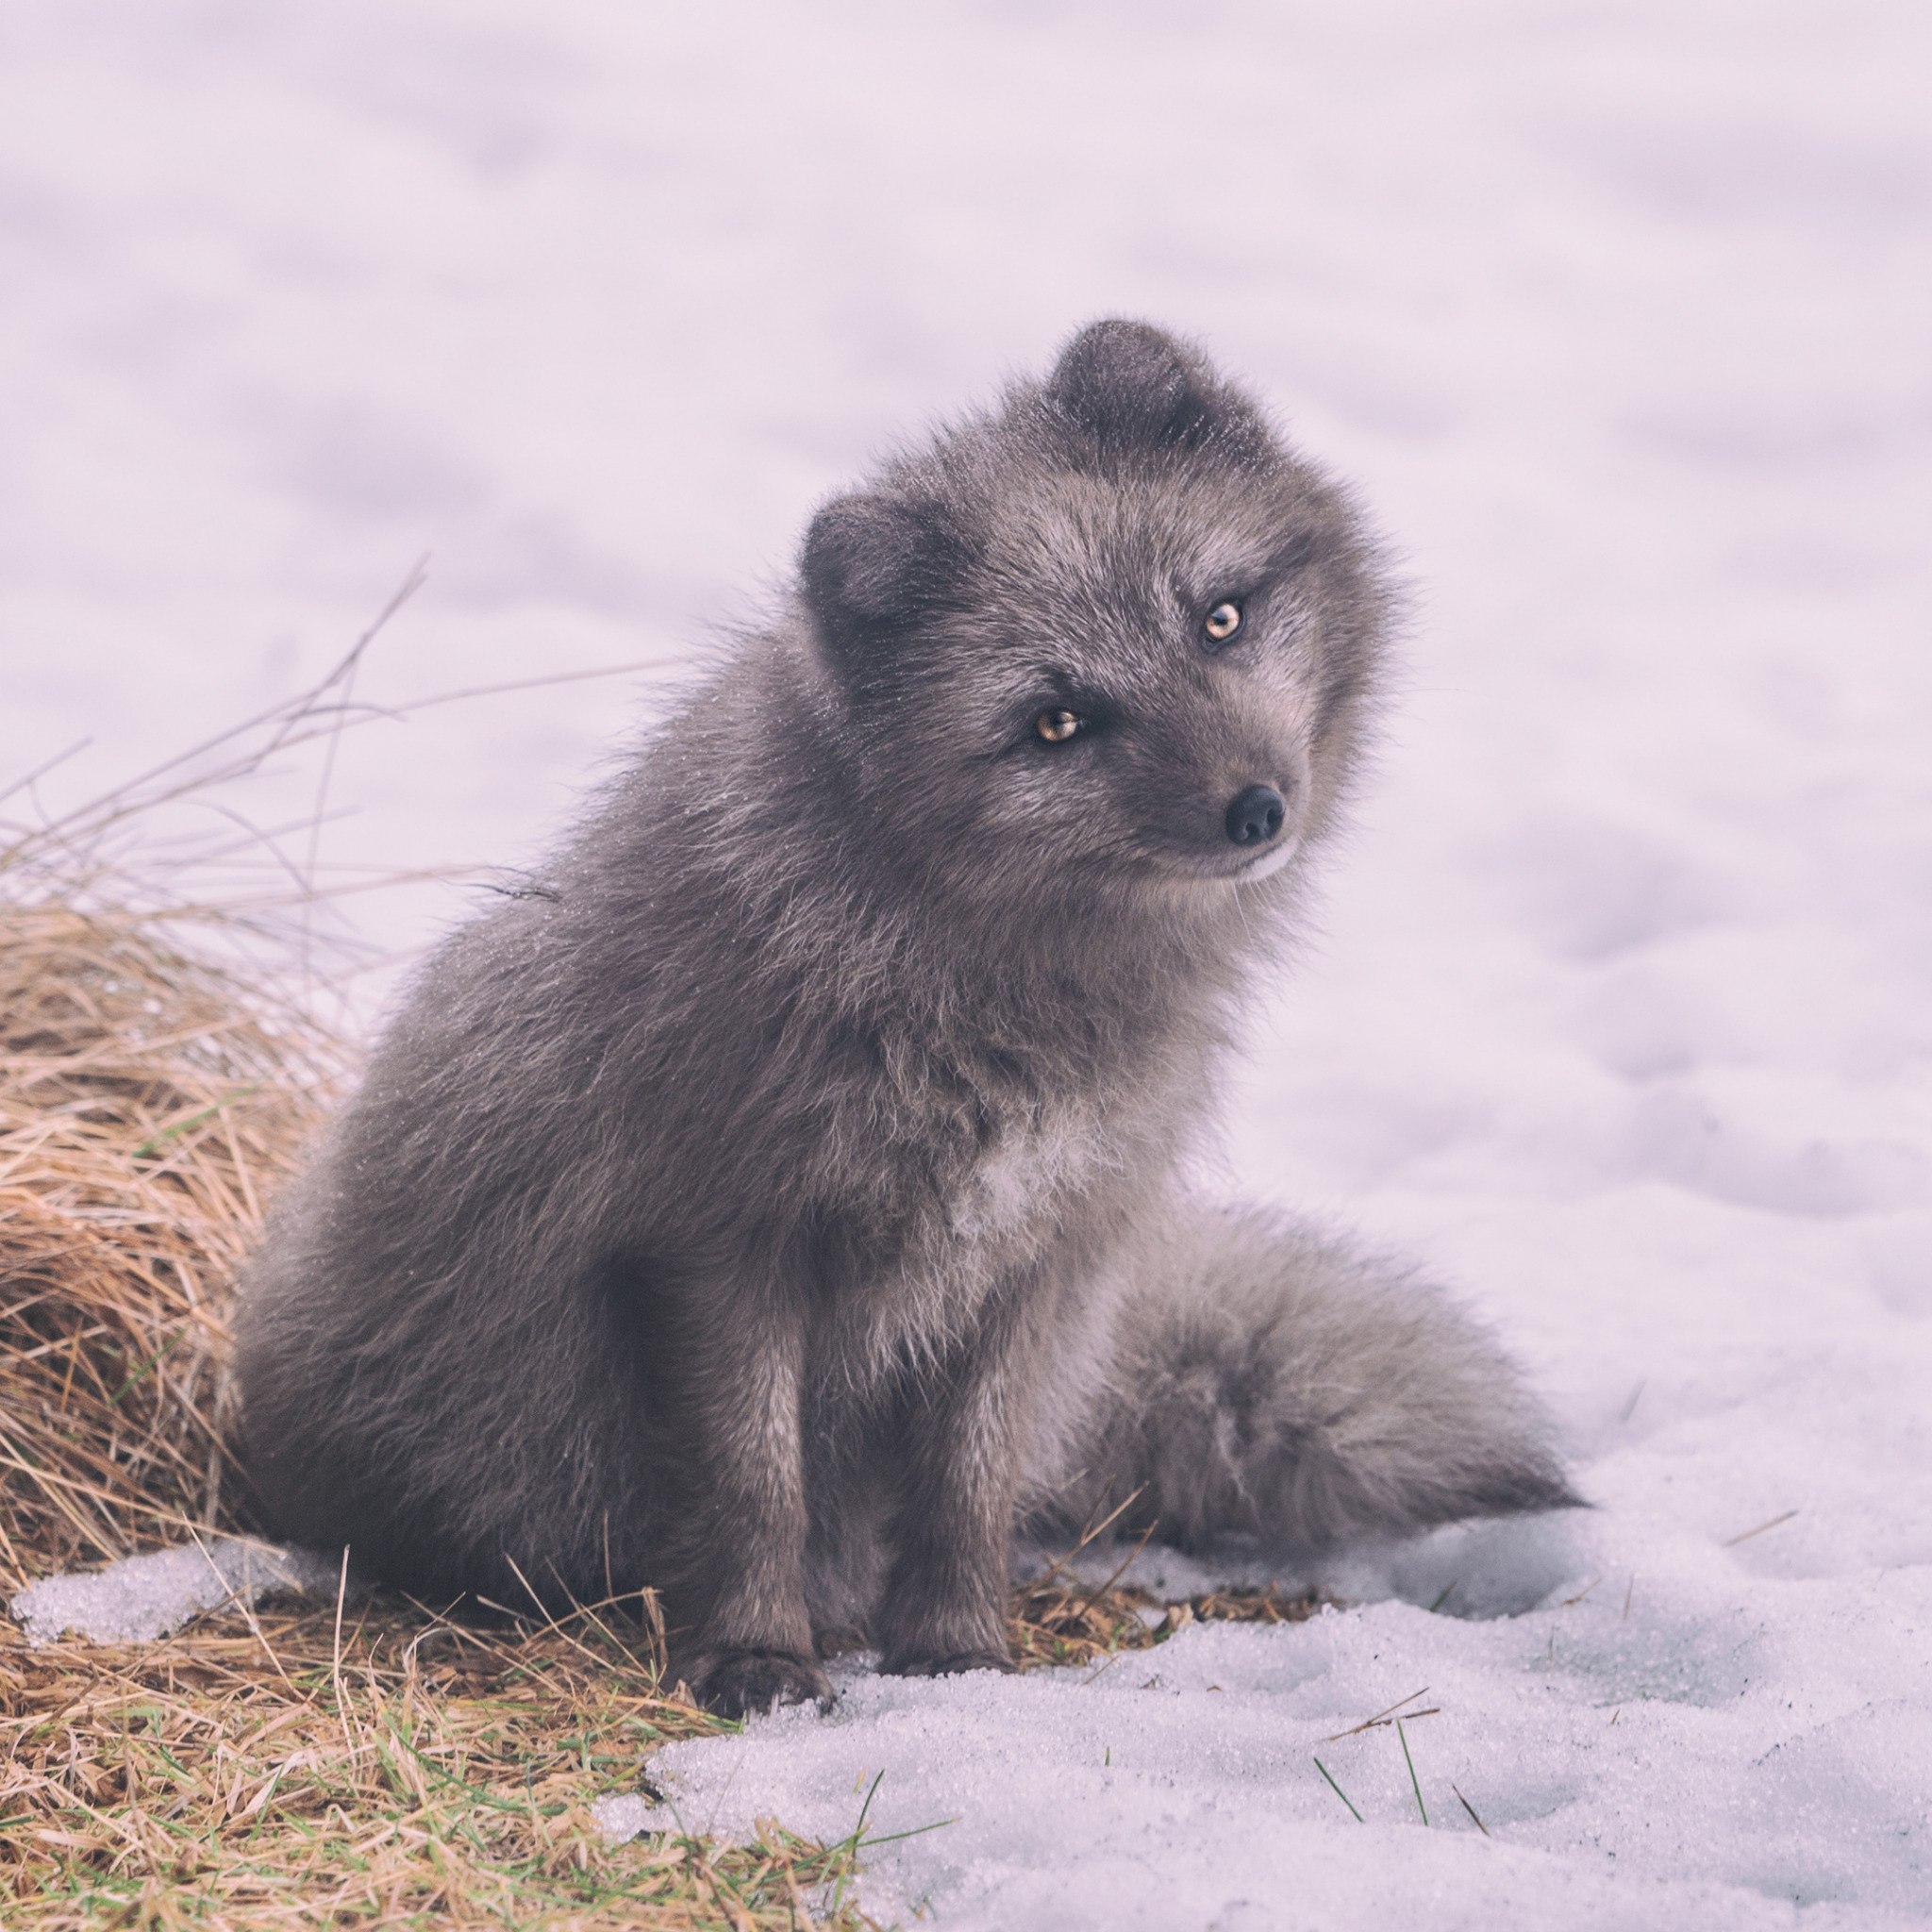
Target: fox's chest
<point>1024,1178</point>
<point>1024,1208</point>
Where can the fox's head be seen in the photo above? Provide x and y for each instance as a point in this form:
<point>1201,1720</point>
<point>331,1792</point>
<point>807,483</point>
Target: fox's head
<point>1114,634</point>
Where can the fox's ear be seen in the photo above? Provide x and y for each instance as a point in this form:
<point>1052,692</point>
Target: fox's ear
<point>1127,382</point>
<point>1131,385</point>
<point>875,566</point>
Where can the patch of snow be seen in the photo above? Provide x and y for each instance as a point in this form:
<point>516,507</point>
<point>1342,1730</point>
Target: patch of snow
<point>624,1815</point>
<point>141,1598</point>
<point>1683,1760</point>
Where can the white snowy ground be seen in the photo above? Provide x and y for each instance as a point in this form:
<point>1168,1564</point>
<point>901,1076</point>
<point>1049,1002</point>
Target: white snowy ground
<point>1620,315</point>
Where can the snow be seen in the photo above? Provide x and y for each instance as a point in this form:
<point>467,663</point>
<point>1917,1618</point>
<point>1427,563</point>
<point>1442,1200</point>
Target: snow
<point>624,1815</point>
<point>1618,1012</point>
<point>142,1598</point>
<point>1675,1753</point>
<point>1180,1787</point>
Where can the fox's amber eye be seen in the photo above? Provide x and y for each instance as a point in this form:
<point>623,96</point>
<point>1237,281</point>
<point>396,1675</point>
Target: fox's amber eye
<point>1057,726</point>
<point>1223,622</point>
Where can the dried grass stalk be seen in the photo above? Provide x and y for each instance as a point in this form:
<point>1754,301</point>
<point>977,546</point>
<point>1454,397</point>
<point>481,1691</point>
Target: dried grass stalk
<point>149,1103</point>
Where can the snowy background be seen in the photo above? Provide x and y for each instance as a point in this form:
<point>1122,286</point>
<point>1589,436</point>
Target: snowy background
<point>1620,315</point>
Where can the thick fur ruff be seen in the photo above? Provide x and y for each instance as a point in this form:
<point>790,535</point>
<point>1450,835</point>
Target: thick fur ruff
<point>775,1195</point>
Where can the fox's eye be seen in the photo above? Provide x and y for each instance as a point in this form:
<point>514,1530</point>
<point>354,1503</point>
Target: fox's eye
<point>1057,726</point>
<point>1223,622</point>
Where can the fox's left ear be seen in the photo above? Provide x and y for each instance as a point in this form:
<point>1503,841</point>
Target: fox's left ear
<point>875,568</point>
<point>1130,385</point>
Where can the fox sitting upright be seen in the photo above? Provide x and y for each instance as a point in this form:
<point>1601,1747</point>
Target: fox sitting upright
<point>778,1203</point>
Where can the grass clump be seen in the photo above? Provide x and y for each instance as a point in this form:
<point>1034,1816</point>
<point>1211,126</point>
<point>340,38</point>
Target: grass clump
<point>149,1103</point>
<point>283,1768</point>
<point>1058,1622</point>
<point>1054,1619</point>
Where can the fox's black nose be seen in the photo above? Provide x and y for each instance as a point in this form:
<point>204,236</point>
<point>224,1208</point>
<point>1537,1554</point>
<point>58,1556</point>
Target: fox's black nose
<point>1256,815</point>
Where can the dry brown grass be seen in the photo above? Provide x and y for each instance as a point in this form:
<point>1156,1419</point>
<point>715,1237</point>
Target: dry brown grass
<point>270,1770</point>
<point>1054,1619</point>
<point>1057,1623</point>
<point>149,1103</point>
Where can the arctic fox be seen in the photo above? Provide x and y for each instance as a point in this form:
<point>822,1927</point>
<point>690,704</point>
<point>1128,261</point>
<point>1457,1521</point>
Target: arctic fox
<point>776,1203</point>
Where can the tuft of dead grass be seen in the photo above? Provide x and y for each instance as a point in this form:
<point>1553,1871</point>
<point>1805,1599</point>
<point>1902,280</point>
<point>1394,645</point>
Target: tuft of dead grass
<point>1055,1622</point>
<point>280,1768</point>
<point>149,1103</point>
<point>1054,1619</point>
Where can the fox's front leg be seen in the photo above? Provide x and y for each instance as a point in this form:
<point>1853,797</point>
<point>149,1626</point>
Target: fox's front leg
<point>962,1438</point>
<point>751,1644</point>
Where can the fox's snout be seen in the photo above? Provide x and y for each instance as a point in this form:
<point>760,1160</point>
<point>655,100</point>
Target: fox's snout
<point>1256,815</point>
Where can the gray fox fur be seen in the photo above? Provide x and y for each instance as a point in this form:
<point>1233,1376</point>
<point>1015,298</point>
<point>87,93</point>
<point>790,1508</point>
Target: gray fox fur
<point>774,1202</point>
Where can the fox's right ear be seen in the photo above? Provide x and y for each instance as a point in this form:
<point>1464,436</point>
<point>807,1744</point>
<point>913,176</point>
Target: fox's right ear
<point>1132,386</point>
<point>874,567</point>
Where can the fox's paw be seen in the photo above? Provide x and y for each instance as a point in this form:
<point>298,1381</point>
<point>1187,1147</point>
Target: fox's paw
<point>740,1683</point>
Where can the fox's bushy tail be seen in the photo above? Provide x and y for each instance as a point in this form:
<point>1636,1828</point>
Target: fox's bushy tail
<point>1269,1380</point>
